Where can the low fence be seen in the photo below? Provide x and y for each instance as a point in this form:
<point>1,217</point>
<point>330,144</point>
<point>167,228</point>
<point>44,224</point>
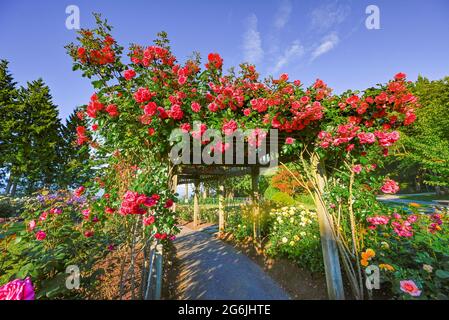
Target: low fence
<point>153,273</point>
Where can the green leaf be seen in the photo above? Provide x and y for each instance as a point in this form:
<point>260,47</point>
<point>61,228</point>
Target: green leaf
<point>442,274</point>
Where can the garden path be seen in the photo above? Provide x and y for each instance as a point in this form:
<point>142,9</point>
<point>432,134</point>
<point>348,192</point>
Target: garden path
<point>212,269</point>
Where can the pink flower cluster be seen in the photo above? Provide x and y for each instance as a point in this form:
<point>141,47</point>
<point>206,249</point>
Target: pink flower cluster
<point>18,289</point>
<point>403,228</point>
<point>229,127</point>
<point>256,137</point>
<point>135,203</point>
<point>387,139</point>
<point>377,220</point>
<point>436,223</point>
<point>390,186</point>
<point>143,95</point>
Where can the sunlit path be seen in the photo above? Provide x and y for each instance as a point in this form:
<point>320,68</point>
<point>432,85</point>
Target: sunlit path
<point>211,269</point>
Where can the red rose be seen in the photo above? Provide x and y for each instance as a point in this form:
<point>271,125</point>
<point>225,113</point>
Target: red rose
<point>112,110</point>
<point>215,61</point>
<point>168,203</point>
<point>196,107</point>
<point>129,74</point>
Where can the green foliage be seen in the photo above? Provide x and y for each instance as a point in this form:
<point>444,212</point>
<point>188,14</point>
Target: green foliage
<point>75,168</point>
<point>427,142</point>
<point>306,200</point>
<point>45,261</point>
<point>422,257</point>
<point>270,192</point>
<point>10,206</point>
<point>282,199</point>
<point>240,220</point>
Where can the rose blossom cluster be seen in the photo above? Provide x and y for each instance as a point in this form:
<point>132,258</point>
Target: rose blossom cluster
<point>390,187</point>
<point>377,220</point>
<point>135,203</point>
<point>436,223</point>
<point>101,56</point>
<point>403,227</point>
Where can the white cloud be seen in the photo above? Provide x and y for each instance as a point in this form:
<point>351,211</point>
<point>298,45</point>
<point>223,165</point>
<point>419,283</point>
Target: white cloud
<point>328,16</point>
<point>328,43</point>
<point>293,52</point>
<point>252,42</point>
<point>283,14</point>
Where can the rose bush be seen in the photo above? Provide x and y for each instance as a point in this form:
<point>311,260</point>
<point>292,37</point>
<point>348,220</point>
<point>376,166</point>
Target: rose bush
<point>411,250</point>
<point>295,234</point>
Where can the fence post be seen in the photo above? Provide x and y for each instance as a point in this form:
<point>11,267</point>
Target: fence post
<point>159,267</point>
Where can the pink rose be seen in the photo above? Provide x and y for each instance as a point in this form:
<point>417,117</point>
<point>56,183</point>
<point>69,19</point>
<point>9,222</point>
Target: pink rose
<point>17,289</point>
<point>196,107</point>
<point>289,140</point>
<point>229,127</point>
<point>390,186</point>
<point>148,220</point>
<point>409,286</point>
<point>41,235</point>
<point>357,168</point>
<point>31,225</point>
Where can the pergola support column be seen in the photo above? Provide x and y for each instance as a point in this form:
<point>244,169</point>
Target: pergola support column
<point>196,204</point>
<point>221,218</point>
<point>255,196</point>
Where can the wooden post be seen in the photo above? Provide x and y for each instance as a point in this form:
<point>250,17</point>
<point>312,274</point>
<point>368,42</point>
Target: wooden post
<point>159,266</point>
<point>196,205</point>
<point>174,187</point>
<point>186,198</point>
<point>221,218</point>
<point>332,268</point>
<point>255,201</point>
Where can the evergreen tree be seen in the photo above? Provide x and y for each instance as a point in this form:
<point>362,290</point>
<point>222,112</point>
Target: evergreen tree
<point>75,169</point>
<point>37,138</point>
<point>8,95</point>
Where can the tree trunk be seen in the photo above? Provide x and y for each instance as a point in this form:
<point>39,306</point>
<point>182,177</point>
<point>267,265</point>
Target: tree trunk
<point>14,188</point>
<point>9,185</point>
<point>328,242</point>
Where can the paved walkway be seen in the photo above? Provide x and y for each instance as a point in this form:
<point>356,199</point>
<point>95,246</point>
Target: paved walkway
<point>212,269</point>
<point>427,206</point>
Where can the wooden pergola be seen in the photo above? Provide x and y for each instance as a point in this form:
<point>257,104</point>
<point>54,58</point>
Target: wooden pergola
<point>197,173</point>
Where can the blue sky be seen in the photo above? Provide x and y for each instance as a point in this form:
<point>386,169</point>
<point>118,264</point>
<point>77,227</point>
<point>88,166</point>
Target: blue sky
<point>307,39</point>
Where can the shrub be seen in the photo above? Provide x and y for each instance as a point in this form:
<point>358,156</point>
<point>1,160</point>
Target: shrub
<point>295,235</point>
<point>240,220</point>
<point>270,192</point>
<point>410,247</point>
<point>10,206</point>
<point>52,237</point>
<point>282,199</point>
